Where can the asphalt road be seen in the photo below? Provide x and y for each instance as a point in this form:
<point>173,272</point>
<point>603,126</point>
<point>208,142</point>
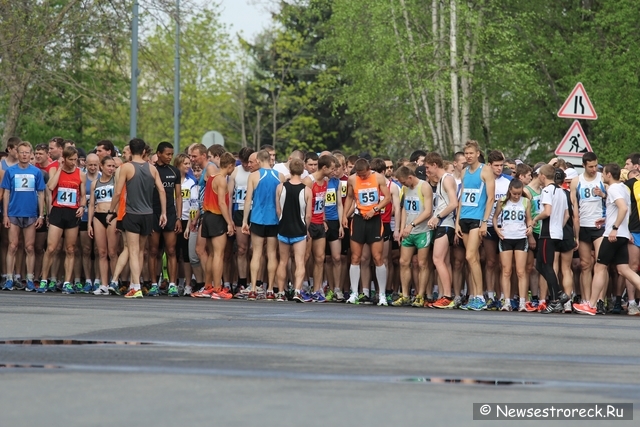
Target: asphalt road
<point>175,362</point>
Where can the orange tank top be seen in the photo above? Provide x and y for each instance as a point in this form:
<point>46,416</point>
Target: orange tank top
<point>122,206</point>
<point>211,201</point>
<point>367,193</point>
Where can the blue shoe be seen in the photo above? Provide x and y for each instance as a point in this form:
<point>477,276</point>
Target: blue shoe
<point>305,296</point>
<point>478,305</point>
<point>68,289</point>
<point>95,287</point>
<point>468,304</point>
<point>493,305</point>
<point>153,291</point>
<point>52,286</point>
<point>318,297</point>
<point>87,288</point>
<point>515,303</point>
<point>30,286</point>
<point>8,285</point>
<point>42,287</point>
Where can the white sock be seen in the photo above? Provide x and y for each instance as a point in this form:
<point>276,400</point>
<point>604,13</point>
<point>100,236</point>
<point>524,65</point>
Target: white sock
<point>480,297</point>
<point>491,294</point>
<point>154,284</point>
<point>172,284</point>
<point>366,292</point>
<point>522,301</point>
<point>136,286</point>
<point>354,277</point>
<point>381,274</point>
<point>435,289</point>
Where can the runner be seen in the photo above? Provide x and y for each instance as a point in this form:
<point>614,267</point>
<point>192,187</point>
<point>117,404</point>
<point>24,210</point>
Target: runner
<point>189,190</point>
<point>238,187</point>
<point>364,189</point>
<point>554,215</point>
<point>171,181</point>
<point>513,227</point>
<point>92,164</point>
<point>68,195</point>
<point>217,225</point>
<point>537,284</point>
<point>261,187</point>
<point>616,235</point>
<point>12,153</point>
<point>294,210</point>
<point>335,233</point>
<point>634,241</point>
<point>443,222</point>
<point>415,234</point>
<point>588,195</point>
<point>471,224</point>
<point>23,206</point>
<point>317,182</point>
<point>138,177</point>
<point>283,168</point>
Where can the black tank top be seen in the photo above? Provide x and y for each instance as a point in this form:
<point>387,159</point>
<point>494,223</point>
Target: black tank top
<point>293,208</point>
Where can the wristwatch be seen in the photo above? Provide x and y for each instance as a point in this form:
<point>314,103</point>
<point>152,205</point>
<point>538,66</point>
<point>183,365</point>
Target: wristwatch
<point>615,227</point>
<point>438,216</point>
<point>376,209</point>
<point>413,224</point>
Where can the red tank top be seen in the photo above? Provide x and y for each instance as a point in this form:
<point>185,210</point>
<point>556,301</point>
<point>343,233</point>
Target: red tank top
<point>67,193</point>
<point>318,195</point>
<point>211,202</point>
<point>385,213</point>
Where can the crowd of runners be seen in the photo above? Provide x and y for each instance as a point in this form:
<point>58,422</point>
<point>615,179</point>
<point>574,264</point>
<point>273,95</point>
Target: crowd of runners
<point>471,232</point>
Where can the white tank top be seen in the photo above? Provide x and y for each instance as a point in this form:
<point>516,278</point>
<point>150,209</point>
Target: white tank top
<point>240,190</point>
<point>441,202</point>
<point>514,218</point>
<point>591,207</point>
<point>501,189</point>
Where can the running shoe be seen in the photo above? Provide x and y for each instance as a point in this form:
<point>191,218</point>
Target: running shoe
<point>418,301</point>
<point>492,305</point>
<point>281,297</point>
<point>67,289</point>
<point>444,302</point>
<point>478,305</point>
<point>395,296</point>
<point>552,307</point>
<point>567,307</point>
<point>402,302</point>
<point>318,297</point>
<point>617,307</point>
<point>113,289</point>
<point>271,296</point>
<point>329,296</point>
<point>153,291</point>
<point>172,291</point>
<point>467,306</point>
<point>600,307</point>
<point>457,301</point>
<point>506,307</point>
<point>30,286</point>
<point>187,290</point>
<point>79,288</point>
<point>102,290</point>
<point>382,301</point>
<point>632,309</point>
<point>225,293</point>
<point>542,305</point>
<point>515,303</point>
<point>87,288</point>
<point>204,292</point>
<point>435,296</point>
<point>523,307</point>
<point>42,287</point>
<point>52,286</point>
<point>353,299</point>
<point>306,297</point>
<point>338,296</point>
<point>134,293</point>
<point>252,296</point>
<point>585,309</point>
<point>8,285</point>
<point>532,306</point>
<point>563,298</point>
<point>96,286</point>
<point>363,299</point>
<point>297,297</point>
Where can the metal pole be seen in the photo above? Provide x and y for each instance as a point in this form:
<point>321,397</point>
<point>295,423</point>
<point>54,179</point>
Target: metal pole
<point>176,84</point>
<point>133,112</point>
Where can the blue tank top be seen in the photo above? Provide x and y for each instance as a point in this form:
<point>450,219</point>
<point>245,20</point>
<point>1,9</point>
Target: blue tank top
<point>473,197</point>
<point>331,200</point>
<point>85,215</point>
<point>263,209</point>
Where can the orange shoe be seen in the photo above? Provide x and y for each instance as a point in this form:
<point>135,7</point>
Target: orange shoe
<point>542,306</point>
<point>217,293</point>
<point>134,293</point>
<point>225,293</point>
<point>204,292</point>
<point>443,302</point>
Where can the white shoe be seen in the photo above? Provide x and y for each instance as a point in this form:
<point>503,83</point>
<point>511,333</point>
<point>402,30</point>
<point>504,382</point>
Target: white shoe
<point>102,290</point>
<point>353,299</point>
<point>632,309</point>
<point>187,290</point>
<point>383,301</point>
<point>338,295</point>
<point>523,307</point>
<point>568,307</point>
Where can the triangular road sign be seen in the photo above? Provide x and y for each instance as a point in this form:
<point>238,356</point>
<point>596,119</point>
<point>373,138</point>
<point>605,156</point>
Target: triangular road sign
<point>574,143</point>
<point>578,105</point>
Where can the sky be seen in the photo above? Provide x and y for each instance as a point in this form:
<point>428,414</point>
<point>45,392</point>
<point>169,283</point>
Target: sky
<point>246,16</point>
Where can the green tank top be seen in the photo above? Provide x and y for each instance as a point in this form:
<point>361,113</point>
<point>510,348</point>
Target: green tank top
<point>535,208</point>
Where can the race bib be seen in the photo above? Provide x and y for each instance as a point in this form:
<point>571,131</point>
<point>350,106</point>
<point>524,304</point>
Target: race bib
<point>331,198</point>
<point>102,194</point>
<point>67,196</point>
<point>186,193</point>
<point>368,196</point>
<point>513,215</point>
<point>318,204</point>
<point>412,205</point>
<point>24,182</point>
<point>343,189</point>
<point>470,197</point>
<point>587,195</point>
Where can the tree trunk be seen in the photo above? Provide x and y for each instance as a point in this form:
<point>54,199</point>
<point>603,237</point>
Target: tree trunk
<point>423,92</point>
<point>453,51</point>
<point>14,108</point>
<point>436,77</point>
<point>403,60</point>
<point>470,49</point>
<point>486,118</point>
